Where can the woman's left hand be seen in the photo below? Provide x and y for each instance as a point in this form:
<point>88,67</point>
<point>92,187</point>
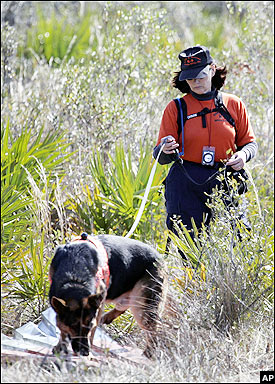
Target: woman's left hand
<point>237,161</point>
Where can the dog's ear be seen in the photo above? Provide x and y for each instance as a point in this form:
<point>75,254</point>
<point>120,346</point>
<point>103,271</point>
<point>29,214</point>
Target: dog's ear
<point>96,300</point>
<point>59,305</point>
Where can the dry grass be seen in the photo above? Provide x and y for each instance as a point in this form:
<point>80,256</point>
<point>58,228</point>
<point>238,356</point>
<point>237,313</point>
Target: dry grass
<point>190,349</point>
<point>195,355</point>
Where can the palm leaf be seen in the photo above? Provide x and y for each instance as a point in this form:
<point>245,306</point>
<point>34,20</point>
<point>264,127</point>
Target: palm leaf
<point>118,191</point>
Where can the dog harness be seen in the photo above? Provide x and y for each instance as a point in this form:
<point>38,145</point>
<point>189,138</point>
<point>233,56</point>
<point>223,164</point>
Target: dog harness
<point>103,271</point>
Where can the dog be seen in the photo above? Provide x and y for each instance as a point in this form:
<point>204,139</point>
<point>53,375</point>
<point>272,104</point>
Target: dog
<point>93,270</point>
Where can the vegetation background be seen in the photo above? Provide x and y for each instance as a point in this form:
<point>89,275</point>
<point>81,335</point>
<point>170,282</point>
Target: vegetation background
<point>83,89</point>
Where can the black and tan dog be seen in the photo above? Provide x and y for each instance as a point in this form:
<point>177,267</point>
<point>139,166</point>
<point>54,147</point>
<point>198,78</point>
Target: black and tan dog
<point>91,271</point>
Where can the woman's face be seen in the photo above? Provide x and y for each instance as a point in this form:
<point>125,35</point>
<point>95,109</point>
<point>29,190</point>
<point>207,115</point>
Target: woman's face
<point>202,85</point>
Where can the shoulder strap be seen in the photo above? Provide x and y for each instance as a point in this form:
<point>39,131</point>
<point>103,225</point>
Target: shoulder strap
<point>223,110</point>
<point>182,115</point>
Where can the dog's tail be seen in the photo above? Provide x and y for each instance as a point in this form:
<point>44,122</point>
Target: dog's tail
<point>164,292</point>
<point>156,292</point>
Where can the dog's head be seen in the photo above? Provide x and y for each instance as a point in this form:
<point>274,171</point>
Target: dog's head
<point>77,318</point>
<point>79,275</point>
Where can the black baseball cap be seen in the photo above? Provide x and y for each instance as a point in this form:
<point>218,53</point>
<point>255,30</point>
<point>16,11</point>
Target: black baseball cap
<point>194,62</point>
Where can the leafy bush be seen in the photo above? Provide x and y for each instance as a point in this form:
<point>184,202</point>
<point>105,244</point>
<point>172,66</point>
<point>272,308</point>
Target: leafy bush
<point>28,282</point>
<point>56,40</point>
<point>112,205</point>
<point>236,277</point>
<point>22,163</point>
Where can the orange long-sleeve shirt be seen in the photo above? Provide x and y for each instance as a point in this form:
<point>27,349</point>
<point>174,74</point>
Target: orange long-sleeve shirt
<point>218,132</point>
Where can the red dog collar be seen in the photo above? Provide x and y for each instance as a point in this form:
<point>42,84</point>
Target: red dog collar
<point>103,272</point>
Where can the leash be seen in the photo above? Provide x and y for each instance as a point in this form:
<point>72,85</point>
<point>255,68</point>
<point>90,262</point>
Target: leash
<point>146,193</point>
<point>212,177</point>
<point>148,187</point>
<point>103,272</point>
<point>144,200</point>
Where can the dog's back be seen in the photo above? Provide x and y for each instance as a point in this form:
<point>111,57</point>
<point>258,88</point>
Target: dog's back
<point>128,261</point>
<point>78,263</point>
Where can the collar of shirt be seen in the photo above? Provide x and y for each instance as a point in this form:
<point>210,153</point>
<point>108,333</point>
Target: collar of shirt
<point>205,96</point>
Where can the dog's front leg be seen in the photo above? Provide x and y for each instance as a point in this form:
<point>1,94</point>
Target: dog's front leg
<point>95,322</point>
<point>108,317</point>
<point>62,346</point>
<point>122,303</point>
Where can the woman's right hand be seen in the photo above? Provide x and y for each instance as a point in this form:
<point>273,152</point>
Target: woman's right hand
<point>170,146</point>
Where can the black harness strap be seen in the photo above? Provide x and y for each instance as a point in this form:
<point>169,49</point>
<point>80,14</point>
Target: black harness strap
<point>219,107</point>
<point>210,178</point>
<point>182,117</point>
<point>182,109</point>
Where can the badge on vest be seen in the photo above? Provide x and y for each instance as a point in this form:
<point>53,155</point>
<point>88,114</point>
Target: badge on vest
<point>208,155</point>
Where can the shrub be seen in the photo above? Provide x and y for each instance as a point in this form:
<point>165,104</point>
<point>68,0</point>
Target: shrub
<point>112,204</point>
<point>28,165</point>
<point>236,274</point>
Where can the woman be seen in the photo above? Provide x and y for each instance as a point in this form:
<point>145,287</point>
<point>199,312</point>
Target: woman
<point>215,131</point>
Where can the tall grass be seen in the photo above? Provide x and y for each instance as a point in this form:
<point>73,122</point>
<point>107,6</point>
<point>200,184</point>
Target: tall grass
<point>82,97</point>
<point>238,275</point>
<point>55,39</point>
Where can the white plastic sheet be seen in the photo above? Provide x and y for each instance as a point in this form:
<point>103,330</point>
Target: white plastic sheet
<point>46,334</point>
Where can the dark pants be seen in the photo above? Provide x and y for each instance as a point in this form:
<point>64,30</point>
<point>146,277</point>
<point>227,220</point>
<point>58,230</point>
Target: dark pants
<point>185,198</point>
